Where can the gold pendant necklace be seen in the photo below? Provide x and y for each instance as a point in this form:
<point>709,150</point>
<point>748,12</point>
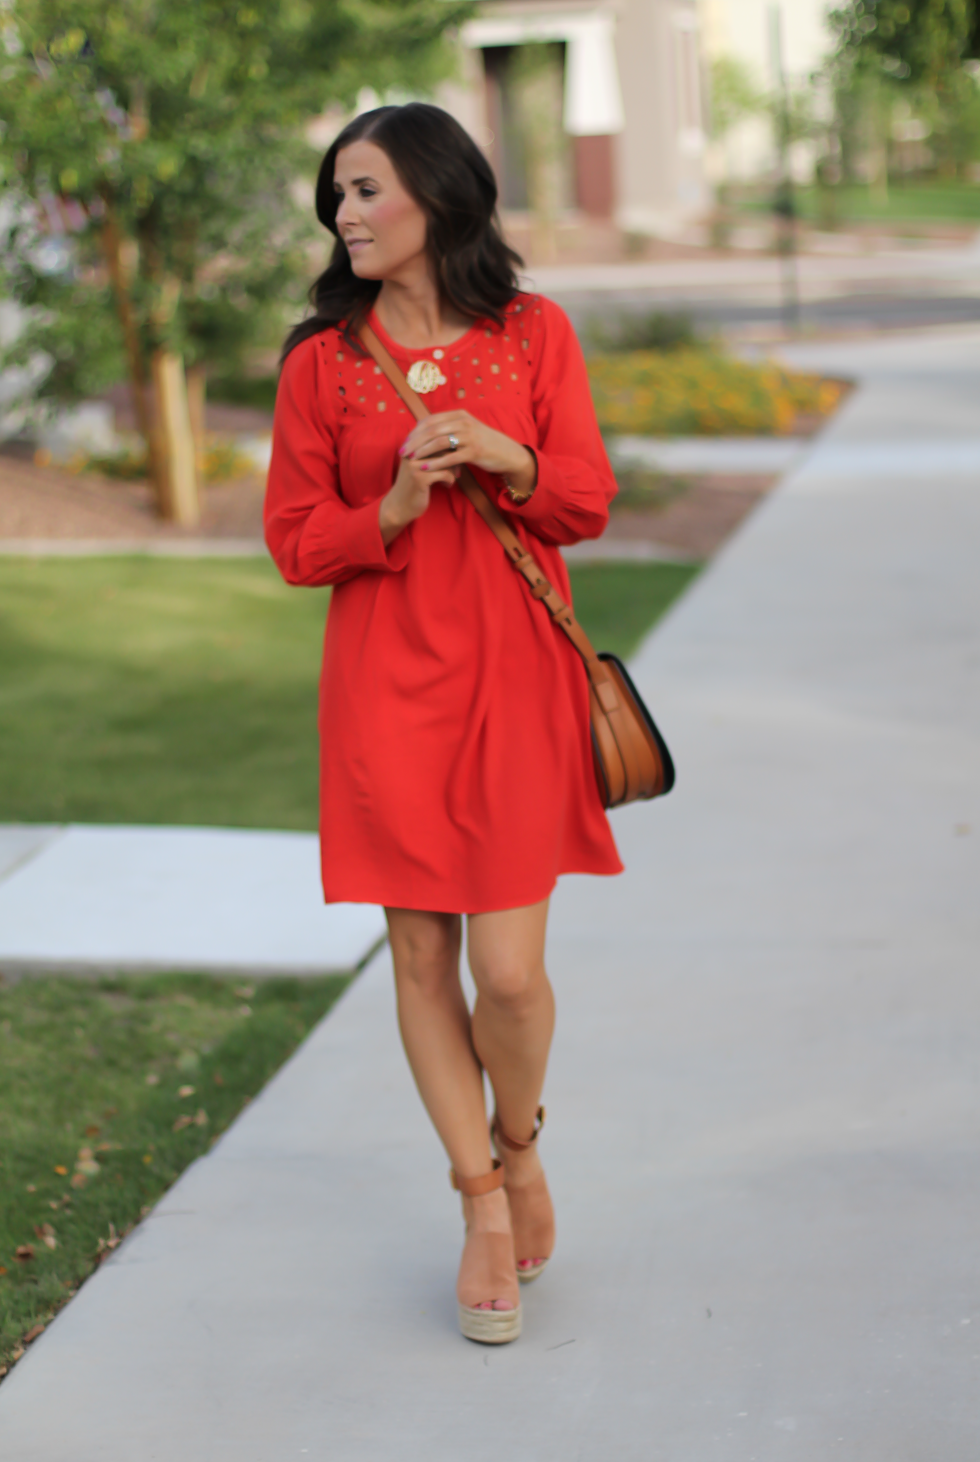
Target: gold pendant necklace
<point>424,376</point>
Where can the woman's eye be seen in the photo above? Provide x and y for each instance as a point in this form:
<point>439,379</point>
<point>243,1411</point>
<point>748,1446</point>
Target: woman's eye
<point>368,192</point>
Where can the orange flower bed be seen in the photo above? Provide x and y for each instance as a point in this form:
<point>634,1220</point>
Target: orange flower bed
<point>704,393</point>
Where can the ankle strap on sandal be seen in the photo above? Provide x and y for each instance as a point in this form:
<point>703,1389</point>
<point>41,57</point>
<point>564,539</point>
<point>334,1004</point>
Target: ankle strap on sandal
<point>476,1187</point>
<point>511,1142</point>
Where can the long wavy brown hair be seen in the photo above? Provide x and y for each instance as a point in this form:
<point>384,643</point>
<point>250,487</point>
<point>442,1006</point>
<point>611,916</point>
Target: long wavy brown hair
<point>448,176</point>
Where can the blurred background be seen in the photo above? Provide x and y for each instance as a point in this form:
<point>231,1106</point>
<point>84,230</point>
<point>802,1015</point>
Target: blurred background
<point>750,167</point>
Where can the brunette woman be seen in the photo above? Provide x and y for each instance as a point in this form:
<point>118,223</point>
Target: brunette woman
<point>456,766</point>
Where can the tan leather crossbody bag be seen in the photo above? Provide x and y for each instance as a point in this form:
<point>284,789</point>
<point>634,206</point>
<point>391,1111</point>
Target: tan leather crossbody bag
<point>630,755</point>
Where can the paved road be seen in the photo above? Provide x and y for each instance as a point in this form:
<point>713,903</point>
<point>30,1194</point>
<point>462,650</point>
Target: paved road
<point>763,1103</point>
<point>898,289</point>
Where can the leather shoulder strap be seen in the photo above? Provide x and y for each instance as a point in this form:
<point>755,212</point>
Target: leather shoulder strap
<point>518,555</point>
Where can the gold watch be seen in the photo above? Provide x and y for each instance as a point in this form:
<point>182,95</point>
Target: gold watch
<point>517,498</point>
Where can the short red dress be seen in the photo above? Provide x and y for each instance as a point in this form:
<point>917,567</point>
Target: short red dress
<point>456,762</point>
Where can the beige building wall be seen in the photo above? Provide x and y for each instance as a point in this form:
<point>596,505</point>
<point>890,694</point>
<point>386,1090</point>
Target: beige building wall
<point>653,139</point>
<point>660,152</point>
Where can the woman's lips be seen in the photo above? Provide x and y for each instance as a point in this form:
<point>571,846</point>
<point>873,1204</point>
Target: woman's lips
<point>354,244</point>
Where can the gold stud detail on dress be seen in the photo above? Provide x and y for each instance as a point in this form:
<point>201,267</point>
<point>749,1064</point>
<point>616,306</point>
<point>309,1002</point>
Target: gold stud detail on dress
<point>495,369</point>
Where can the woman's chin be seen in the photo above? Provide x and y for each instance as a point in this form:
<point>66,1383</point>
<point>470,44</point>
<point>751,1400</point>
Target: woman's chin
<point>364,269</point>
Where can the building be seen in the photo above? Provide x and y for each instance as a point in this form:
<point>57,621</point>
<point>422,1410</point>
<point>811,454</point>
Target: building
<point>589,107</point>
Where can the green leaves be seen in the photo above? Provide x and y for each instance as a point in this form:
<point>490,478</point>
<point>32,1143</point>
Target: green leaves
<point>187,122</point>
<point>921,41</point>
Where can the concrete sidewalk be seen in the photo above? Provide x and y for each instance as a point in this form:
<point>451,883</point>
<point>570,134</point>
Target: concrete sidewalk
<point>763,1100</point>
<point>229,900</point>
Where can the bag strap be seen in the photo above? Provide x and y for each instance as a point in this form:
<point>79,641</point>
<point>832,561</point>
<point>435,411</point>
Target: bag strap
<point>517,554</point>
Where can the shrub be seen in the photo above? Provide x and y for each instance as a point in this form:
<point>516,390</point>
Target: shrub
<point>657,331</point>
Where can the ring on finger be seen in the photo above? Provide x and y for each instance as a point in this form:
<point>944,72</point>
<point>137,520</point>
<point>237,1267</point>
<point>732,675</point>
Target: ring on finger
<point>453,443</point>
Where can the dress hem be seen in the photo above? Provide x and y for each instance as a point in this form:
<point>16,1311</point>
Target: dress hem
<point>459,906</point>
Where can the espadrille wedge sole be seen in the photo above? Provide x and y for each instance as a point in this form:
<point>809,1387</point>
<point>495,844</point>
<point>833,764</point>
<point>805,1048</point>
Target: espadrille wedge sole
<point>490,1327</point>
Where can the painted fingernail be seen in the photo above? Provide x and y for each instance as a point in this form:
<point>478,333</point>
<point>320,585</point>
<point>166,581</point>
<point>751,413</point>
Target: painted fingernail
<point>424,466</point>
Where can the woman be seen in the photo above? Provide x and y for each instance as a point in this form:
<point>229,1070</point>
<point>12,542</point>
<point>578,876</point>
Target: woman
<point>456,766</point>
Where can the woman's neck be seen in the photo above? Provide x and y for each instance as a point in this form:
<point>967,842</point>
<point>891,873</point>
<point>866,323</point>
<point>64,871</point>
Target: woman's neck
<point>411,311</point>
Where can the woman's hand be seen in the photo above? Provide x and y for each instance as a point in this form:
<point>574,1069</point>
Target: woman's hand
<point>429,445</point>
<point>409,495</point>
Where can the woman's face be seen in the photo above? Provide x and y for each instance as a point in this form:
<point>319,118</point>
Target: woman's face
<point>381,224</point>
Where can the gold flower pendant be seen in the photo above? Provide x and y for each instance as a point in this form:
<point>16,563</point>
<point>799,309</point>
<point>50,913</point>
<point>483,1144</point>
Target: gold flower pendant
<point>424,376</point>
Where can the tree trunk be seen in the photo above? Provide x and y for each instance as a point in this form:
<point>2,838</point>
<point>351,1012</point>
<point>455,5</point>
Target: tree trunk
<point>180,501</point>
<point>197,385</point>
<point>537,71</point>
<point>112,248</point>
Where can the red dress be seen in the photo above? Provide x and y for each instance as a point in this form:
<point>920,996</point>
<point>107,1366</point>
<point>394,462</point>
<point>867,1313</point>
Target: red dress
<point>456,765</point>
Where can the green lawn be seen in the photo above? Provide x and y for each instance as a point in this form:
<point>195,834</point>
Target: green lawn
<point>922,202</point>
<point>143,690</point>
<point>108,1089</point>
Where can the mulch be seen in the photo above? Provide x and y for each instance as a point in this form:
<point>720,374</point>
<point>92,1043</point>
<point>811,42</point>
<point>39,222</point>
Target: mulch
<point>52,503</point>
<point>696,522</point>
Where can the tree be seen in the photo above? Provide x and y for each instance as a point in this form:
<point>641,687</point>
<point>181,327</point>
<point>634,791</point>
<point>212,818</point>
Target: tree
<point>175,133</point>
<point>734,96</point>
<point>885,47</point>
<point>922,41</point>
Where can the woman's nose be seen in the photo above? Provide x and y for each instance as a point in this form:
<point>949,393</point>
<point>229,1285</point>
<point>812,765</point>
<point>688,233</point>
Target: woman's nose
<point>345,213</point>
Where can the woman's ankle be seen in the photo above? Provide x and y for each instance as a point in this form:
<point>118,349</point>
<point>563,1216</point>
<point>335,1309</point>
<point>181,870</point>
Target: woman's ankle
<point>489,1213</point>
<point>521,1166</point>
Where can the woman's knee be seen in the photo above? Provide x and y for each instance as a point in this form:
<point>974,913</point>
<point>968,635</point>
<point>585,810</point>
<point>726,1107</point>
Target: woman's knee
<point>425,949</point>
<point>509,981</point>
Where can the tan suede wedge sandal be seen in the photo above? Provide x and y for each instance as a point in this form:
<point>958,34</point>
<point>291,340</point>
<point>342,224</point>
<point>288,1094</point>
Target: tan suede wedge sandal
<point>487,1271</point>
<point>531,1210</point>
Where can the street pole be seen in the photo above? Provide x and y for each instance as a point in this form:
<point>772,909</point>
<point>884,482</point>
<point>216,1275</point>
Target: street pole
<point>785,202</point>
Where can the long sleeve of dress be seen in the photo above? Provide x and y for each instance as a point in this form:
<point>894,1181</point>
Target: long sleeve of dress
<point>314,536</point>
<point>575,481</point>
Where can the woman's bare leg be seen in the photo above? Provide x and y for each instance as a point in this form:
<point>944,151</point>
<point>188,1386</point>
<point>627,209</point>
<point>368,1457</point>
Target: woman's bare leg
<point>512,1024</point>
<point>435,1028</point>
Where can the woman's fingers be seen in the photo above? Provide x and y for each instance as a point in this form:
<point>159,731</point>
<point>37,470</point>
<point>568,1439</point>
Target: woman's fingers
<point>431,436</point>
<point>436,472</point>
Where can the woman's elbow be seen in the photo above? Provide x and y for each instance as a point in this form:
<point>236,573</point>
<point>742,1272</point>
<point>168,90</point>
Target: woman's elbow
<point>593,521</point>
